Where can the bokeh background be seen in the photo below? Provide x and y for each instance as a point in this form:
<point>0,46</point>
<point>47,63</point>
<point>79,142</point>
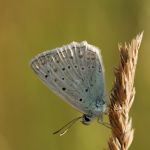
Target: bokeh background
<point>29,111</point>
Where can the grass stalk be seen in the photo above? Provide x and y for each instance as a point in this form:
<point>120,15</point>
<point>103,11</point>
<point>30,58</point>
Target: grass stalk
<point>122,96</point>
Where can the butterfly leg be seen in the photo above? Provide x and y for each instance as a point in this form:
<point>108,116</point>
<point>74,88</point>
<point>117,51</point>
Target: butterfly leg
<point>100,120</point>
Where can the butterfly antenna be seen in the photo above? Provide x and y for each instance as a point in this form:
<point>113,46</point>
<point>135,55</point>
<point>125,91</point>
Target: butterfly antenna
<point>65,128</point>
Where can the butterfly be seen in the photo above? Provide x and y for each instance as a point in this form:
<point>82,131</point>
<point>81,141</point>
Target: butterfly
<point>75,72</point>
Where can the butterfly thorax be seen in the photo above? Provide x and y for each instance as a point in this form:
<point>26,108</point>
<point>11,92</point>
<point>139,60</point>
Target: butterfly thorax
<point>100,106</point>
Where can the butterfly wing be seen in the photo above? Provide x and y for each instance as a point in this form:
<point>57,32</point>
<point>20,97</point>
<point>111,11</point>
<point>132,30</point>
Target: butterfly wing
<point>74,72</point>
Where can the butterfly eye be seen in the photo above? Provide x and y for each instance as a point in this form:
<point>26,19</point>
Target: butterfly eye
<point>87,119</point>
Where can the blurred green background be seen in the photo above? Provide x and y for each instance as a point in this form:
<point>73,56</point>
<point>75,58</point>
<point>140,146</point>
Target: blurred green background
<point>29,111</point>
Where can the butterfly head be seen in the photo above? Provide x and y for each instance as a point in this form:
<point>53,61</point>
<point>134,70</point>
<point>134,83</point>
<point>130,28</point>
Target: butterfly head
<point>86,119</point>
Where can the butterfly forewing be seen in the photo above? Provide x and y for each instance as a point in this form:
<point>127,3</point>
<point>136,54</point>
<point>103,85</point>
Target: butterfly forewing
<point>75,73</point>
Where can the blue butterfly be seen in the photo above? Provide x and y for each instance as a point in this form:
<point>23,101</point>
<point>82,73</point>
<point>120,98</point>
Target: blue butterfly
<point>75,72</point>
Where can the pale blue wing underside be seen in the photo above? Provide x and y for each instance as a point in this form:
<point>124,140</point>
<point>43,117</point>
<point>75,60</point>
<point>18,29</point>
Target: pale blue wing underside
<point>75,72</point>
